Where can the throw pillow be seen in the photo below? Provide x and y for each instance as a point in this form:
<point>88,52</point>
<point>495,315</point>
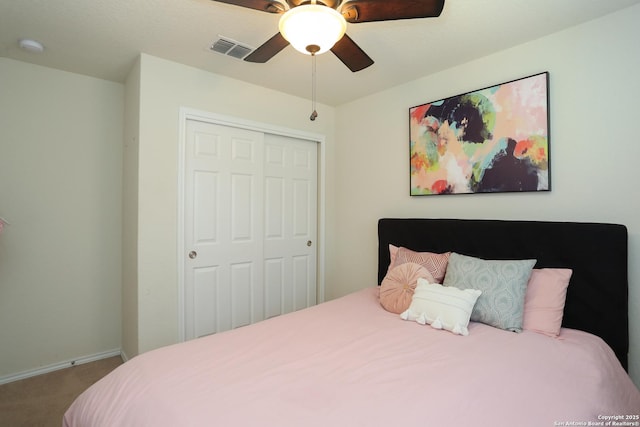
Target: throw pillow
<point>442,307</point>
<point>502,282</point>
<point>435,263</point>
<point>396,289</point>
<point>544,300</point>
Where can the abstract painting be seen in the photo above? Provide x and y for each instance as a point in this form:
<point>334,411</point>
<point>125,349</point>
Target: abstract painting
<point>486,141</point>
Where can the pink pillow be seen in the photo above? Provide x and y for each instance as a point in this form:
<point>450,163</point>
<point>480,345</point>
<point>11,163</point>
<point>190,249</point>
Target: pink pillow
<point>436,264</point>
<point>393,253</point>
<point>397,287</point>
<point>544,300</point>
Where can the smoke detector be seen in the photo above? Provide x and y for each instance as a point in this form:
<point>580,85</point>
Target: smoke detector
<point>31,45</point>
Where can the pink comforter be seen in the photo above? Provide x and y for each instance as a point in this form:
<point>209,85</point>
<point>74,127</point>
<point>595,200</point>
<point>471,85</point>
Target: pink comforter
<point>348,362</point>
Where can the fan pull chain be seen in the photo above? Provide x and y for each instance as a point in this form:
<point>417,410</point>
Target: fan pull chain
<point>314,114</point>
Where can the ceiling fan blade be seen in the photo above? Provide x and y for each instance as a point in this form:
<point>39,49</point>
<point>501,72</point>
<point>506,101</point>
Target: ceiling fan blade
<point>271,6</point>
<point>268,50</point>
<point>351,54</point>
<point>357,11</point>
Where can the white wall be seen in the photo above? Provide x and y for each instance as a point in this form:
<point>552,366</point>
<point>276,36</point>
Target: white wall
<point>60,188</point>
<point>593,142</point>
<point>165,87</point>
<point>130,213</point>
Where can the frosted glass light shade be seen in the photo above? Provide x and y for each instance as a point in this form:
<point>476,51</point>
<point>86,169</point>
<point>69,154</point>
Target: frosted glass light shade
<point>312,28</point>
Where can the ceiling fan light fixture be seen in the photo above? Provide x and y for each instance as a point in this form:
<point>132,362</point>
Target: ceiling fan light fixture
<point>312,28</point>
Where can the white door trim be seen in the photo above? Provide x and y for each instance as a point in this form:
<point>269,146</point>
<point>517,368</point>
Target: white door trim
<point>193,114</point>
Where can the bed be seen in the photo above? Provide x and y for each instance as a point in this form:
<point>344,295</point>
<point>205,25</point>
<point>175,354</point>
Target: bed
<point>351,362</point>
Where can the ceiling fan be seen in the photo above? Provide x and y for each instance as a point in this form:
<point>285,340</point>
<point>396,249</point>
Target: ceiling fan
<point>316,17</point>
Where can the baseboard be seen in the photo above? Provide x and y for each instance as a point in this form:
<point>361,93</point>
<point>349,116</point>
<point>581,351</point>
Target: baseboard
<point>57,366</point>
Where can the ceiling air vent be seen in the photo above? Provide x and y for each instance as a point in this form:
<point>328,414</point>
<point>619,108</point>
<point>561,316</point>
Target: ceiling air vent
<point>227,46</point>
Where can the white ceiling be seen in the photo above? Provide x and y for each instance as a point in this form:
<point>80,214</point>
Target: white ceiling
<point>102,38</point>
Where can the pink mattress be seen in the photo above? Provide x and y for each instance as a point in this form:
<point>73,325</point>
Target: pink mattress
<point>348,362</point>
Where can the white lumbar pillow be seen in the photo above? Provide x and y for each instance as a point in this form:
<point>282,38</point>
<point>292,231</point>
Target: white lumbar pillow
<point>442,307</point>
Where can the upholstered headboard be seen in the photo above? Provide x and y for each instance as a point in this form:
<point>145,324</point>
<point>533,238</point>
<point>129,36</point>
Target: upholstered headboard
<point>597,297</point>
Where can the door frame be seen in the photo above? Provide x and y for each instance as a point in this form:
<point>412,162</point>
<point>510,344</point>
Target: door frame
<point>236,122</point>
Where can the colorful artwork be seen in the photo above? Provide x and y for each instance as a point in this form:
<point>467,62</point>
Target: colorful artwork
<point>490,140</point>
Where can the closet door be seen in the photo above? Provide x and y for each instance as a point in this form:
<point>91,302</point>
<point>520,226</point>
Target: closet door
<point>250,221</point>
<point>223,228</point>
<point>290,224</point>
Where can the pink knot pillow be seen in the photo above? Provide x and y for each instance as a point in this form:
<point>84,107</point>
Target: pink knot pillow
<point>397,287</point>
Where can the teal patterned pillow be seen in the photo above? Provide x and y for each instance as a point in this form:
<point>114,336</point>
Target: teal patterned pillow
<point>503,285</point>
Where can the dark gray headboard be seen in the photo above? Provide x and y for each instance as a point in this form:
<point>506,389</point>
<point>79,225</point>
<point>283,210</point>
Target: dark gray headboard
<point>597,297</point>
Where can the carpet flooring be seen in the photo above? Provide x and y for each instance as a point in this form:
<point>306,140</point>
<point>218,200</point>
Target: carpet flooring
<point>41,401</point>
